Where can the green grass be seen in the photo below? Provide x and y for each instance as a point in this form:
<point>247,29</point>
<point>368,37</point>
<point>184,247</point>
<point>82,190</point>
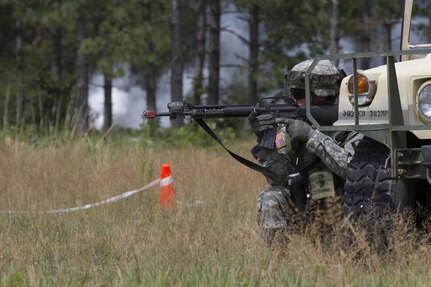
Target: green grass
<point>135,243</point>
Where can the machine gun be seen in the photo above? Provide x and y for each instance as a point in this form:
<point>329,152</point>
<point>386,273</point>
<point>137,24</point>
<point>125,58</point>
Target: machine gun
<point>324,114</point>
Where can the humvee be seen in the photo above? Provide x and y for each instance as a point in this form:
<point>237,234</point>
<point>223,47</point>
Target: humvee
<point>390,105</point>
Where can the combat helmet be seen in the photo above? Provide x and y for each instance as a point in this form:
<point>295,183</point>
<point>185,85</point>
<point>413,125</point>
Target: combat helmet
<point>325,81</point>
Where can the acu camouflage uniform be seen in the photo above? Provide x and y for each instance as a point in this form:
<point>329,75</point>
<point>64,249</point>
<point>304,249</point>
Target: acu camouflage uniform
<point>321,164</point>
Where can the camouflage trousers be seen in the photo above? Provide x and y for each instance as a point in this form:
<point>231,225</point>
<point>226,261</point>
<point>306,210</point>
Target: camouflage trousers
<point>278,214</point>
<point>275,209</point>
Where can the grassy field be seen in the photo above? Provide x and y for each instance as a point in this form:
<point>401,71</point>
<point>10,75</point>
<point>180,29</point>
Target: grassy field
<point>135,243</point>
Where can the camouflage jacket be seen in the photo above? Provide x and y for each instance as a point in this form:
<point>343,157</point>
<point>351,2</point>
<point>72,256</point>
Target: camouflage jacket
<point>335,155</point>
<point>319,151</point>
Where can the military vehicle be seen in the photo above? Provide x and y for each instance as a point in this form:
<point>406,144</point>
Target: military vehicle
<point>390,105</point>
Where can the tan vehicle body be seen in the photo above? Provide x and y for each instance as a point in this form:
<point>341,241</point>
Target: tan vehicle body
<point>390,105</point>
<point>411,75</point>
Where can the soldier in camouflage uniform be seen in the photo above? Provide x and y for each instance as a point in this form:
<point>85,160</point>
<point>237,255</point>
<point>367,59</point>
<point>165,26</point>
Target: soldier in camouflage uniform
<point>308,165</point>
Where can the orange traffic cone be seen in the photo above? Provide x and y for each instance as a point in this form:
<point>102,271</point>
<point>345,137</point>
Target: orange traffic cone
<point>167,194</point>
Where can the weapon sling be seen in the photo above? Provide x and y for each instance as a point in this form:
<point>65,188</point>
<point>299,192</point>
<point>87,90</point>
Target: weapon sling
<point>239,158</point>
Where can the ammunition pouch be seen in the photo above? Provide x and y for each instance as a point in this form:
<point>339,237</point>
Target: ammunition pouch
<point>279,164</point>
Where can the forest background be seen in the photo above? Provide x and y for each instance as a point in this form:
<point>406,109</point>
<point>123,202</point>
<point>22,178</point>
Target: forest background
<point>52,49</point>
<point>51,52</point>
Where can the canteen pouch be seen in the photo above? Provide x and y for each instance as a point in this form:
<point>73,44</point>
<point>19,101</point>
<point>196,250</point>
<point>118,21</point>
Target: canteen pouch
<point>321,185</point>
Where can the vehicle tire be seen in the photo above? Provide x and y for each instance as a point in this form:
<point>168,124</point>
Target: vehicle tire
<point>370,193</point>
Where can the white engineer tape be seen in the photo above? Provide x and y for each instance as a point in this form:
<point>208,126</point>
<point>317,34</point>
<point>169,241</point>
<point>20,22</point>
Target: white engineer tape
<point>87,206</point>
<point>166,181</point>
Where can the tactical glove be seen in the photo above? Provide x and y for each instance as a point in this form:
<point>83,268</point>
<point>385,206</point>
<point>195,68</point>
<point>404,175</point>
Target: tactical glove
<point>261,123</point>
<point>298,130</point>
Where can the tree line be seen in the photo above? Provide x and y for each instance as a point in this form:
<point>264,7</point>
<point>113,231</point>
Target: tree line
<point>50,49</point>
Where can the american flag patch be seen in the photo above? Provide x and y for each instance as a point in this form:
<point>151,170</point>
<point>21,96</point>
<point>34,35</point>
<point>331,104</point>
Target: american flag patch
<point>280,141</point>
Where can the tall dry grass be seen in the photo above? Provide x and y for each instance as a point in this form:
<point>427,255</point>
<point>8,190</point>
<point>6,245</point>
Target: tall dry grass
<point>210,239</point>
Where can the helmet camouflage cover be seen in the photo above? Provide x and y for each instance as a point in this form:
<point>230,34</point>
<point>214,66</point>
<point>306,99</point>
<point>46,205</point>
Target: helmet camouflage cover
<point>325,80</point>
